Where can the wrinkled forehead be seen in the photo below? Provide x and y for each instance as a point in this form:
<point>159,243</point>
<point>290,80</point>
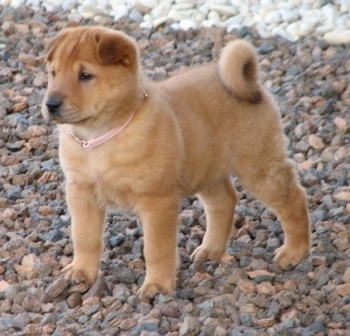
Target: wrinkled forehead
<point>73,47</point>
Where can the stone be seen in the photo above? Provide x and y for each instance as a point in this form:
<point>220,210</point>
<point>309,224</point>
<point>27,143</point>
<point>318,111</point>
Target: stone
<point>246,286</point>
<point>289,15</point>
<point>316,142</point>
<point>32,303</point>
<point>225,10</point>
<point>266,288</point>
<point>266,323</point>
<point>346,276</point>
<point>341,123</point>
<point>190,326</point>
<point>145,6</point>
<point>337,37</point>
<point>343,196</point>
<point>4,285</point>
<point>56,288</point>
<point>343,290</point>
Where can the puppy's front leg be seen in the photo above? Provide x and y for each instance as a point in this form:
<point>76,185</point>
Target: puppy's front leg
<point>87,228</point>
<point>159,216</point>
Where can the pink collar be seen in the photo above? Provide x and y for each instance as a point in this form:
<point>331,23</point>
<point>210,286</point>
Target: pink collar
<point>89,145</point>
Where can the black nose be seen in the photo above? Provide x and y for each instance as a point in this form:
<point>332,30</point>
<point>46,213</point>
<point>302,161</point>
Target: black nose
<point>53,104</point>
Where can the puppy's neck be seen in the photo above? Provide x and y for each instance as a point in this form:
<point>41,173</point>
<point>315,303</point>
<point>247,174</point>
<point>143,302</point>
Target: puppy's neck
<point>99,127</point>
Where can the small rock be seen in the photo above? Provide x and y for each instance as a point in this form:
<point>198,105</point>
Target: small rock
<point>337,37</point>
<point>31,303</point>
<point>340,123</point>
<point>346,276</point>
<point>343,196</point>
<point>266,288</point>
<point>189,327</point>
<point>316,142</point>
<point>56,288</point>
<point>246,286</point>
<point>266,323</point>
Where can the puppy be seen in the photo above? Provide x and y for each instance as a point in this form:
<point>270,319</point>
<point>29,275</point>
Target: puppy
<point>128,142</point>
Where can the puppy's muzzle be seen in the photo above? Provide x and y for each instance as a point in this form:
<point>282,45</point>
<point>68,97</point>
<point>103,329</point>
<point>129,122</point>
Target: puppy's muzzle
<point>53,105</point>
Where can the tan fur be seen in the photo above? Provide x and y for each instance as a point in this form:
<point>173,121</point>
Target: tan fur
<point>187,137</point>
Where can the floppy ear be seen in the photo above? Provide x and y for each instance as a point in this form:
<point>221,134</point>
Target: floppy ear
<point>116,47</point>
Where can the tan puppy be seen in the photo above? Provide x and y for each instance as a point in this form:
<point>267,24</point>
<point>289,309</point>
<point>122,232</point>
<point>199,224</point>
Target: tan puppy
<point>151,144</point>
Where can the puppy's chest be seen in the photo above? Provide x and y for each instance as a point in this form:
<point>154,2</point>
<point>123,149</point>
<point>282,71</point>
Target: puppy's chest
<point>113,187</point>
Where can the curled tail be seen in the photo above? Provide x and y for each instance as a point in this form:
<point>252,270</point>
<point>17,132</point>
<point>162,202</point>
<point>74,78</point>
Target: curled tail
<point>238,70</point>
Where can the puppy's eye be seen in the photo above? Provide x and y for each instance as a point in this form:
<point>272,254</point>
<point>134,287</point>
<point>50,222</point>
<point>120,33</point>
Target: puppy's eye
<point>53,73</point>
<point>84,77</point>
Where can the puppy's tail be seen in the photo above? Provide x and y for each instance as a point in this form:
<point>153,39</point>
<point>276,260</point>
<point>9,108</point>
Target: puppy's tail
<point>238,70</point>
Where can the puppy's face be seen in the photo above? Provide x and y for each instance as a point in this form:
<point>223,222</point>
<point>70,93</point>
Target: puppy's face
<point>91,72</point>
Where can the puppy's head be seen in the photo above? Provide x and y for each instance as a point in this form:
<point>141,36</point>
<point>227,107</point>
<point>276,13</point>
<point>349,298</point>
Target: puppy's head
<point>92,72</point>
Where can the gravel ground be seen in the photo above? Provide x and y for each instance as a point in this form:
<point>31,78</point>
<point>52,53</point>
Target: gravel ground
<point>246,296</point>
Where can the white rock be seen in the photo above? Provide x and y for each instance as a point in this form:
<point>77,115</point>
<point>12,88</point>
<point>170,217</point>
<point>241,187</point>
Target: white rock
<point>75,17</point>
<point>184,6</point>
<point>289,15</point>
<point>248,21</point>
<point>6,3</point>
<point>321,30</point>
<point>293,30</point>
<point>209,23</point>
<point>51,8</point>
<point>187,24</point>
<point>222,9</point>
<point>338,37</point>
<point>329,12</point>
<point>17,3</point>
<point>305,29</point>
<point>204,9</point>
<point>148,18</point>
<point>214,16</point>
<point>187,14</point>
<point>212,23</point>
<point>199,17</point>
<point>235,20</point>
<point>175,26</point>
<point>69,4</point>
<point>33,3</point>
<point>312,20</point>
<point>120,11</point>
<point>145,6</point>
<point>146,25</point>
<point>161,10</point>
<point>89,8</point>
<point>280,32</point>
<point>159,21</point>
<point>135,15</point>
<point>344,6</point>
<point>273,17</point>
<point>105,5</point>
<point>174,15</point>
<point>261,27</point>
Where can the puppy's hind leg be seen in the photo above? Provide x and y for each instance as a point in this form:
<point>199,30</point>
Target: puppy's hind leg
<point>219,201</point>
<point>275,184</point>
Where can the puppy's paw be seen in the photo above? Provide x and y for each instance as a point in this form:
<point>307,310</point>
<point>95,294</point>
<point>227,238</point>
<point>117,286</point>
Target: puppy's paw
<point>80,275</point>
<point>289,257</point>
<point>202,253</point>
<point>150,289</point>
